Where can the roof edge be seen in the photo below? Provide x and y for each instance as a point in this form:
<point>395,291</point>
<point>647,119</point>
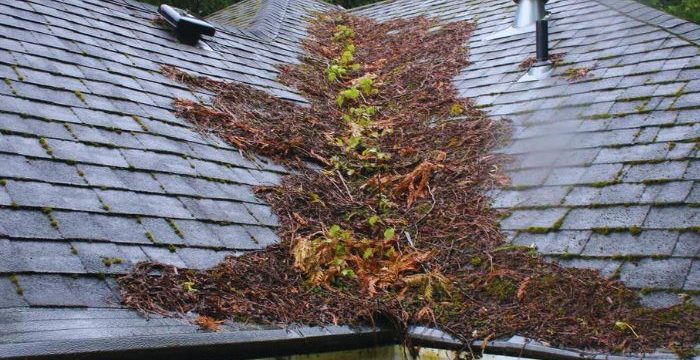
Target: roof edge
<point>211,346</point>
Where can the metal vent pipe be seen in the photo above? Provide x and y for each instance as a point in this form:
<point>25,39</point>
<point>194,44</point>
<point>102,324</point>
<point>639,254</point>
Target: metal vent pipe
<point>542,34</point>
<point>528,12</point>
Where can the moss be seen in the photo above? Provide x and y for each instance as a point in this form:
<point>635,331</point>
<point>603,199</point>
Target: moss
<point>141,124</point>
<point>73,250</point>
<point>101,276</point>
<point>14,205</point>
<point>671,146</point>
<point>601,230</point>
<point>49,213</point>
<point>655,181</point>
<point>15,281</point>
<point>111,261</point>
<point>600,116</point>
<point>616,275</point>
<point>475,261</point>
<point>3,182</point>
<point>7,81</point>
<point>176,229</point>
<point>635,230</point>
<point>502,289</point>
<point>45,145</point>
<point>150,237</point>
<point>602,184</point>
<point>19,76</point>
<point>80,96</point>
<point>172,248</point>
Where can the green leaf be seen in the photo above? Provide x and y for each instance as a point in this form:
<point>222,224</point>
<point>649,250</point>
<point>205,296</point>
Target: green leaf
<point>373,220</point>
<point>367,254</point>
<point>349,273</point>
<point>334,230</point>
<point>389,233</point>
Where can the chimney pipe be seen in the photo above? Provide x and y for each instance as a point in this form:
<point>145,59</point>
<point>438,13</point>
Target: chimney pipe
<point>528,12</point>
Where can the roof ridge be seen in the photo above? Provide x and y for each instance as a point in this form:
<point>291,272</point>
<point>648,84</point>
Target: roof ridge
<point>657,20</point>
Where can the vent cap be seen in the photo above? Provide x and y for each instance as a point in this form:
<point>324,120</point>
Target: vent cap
<point>188,29</point>
<point>528,12</point>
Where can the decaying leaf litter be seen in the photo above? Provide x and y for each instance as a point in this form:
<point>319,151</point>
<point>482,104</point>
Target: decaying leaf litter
<point>396,225</point>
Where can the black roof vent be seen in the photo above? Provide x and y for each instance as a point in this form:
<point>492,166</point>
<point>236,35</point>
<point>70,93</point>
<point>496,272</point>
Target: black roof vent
<point>188,29</point>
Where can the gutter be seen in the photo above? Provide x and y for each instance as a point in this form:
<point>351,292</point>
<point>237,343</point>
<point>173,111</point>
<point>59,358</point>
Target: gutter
<point>252,344</point>
<point>210,346</point>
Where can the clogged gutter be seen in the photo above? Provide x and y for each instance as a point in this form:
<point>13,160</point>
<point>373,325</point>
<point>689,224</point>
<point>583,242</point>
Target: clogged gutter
<point>396,227</point>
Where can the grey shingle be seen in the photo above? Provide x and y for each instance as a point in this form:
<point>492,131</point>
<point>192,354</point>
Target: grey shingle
<point>560,242</point>
<point>48,290</point>
<point>46,257</point>
<point>523,219</point>
<point>8,294</point>
<point>658,274</point>
<point>610,217</point>
<point>688,244</point>
<point>649,243</point>
<point>26,224</point>
<point>692,282</point>
<point>674,217</point>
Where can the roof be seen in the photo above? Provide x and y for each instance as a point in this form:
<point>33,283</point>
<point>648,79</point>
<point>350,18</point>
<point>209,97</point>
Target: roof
<point>596,157</point>
<point>99,174</point>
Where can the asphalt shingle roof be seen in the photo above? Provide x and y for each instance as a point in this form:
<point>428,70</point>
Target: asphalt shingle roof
<point>615,150</point>
<point>96,167</point>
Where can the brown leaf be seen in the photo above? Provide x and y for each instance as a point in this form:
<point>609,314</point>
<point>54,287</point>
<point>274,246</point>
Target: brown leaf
<point>208,323</point>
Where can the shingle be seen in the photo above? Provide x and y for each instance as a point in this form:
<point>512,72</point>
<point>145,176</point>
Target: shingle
<point>606,267</point>
<point>692,282</point>
<point>202,258</point>
<point>234,237</point>
<point>632,153</point>
<point>650,242</point>
<point>198,233</point>
<point>48,290</point>
<point>658,274</point>
<point>673,217</point>
<point>8,294</point>
<point>74,151</point>
<point>53,196</point>
<point>163,255</point>
<point>263,213</point>
<point>26,224</point>
<point>161,231</point>
<point>560,242</point>
<point>206,209</point>
<point>610,217</point>
<point>128,202</point>
<point>263,236</point>
<point>94,293</point>
<point>160,162</point>
<point>673,192</point>
<point>103,258</point>
<point>664,170</point>
<point>47,257</point>
<point>688,244</point>
<point>120,229</point>
<point>550,195</point>
<point>523,219</point>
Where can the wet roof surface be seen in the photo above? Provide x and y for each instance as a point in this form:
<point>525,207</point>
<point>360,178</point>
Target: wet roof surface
<point>88,142</point>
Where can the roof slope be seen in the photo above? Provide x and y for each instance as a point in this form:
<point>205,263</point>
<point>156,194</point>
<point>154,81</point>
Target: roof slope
<point>89,144</point>
<point>98,174</point>
<point>596,158</point>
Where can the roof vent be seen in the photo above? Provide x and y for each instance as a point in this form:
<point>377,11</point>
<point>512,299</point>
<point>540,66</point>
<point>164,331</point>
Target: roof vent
<point>188,29</point>
<point>528,12</point>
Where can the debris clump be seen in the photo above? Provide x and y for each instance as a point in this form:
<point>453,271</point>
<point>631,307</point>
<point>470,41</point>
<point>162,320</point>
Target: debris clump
<point>396,226</point>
